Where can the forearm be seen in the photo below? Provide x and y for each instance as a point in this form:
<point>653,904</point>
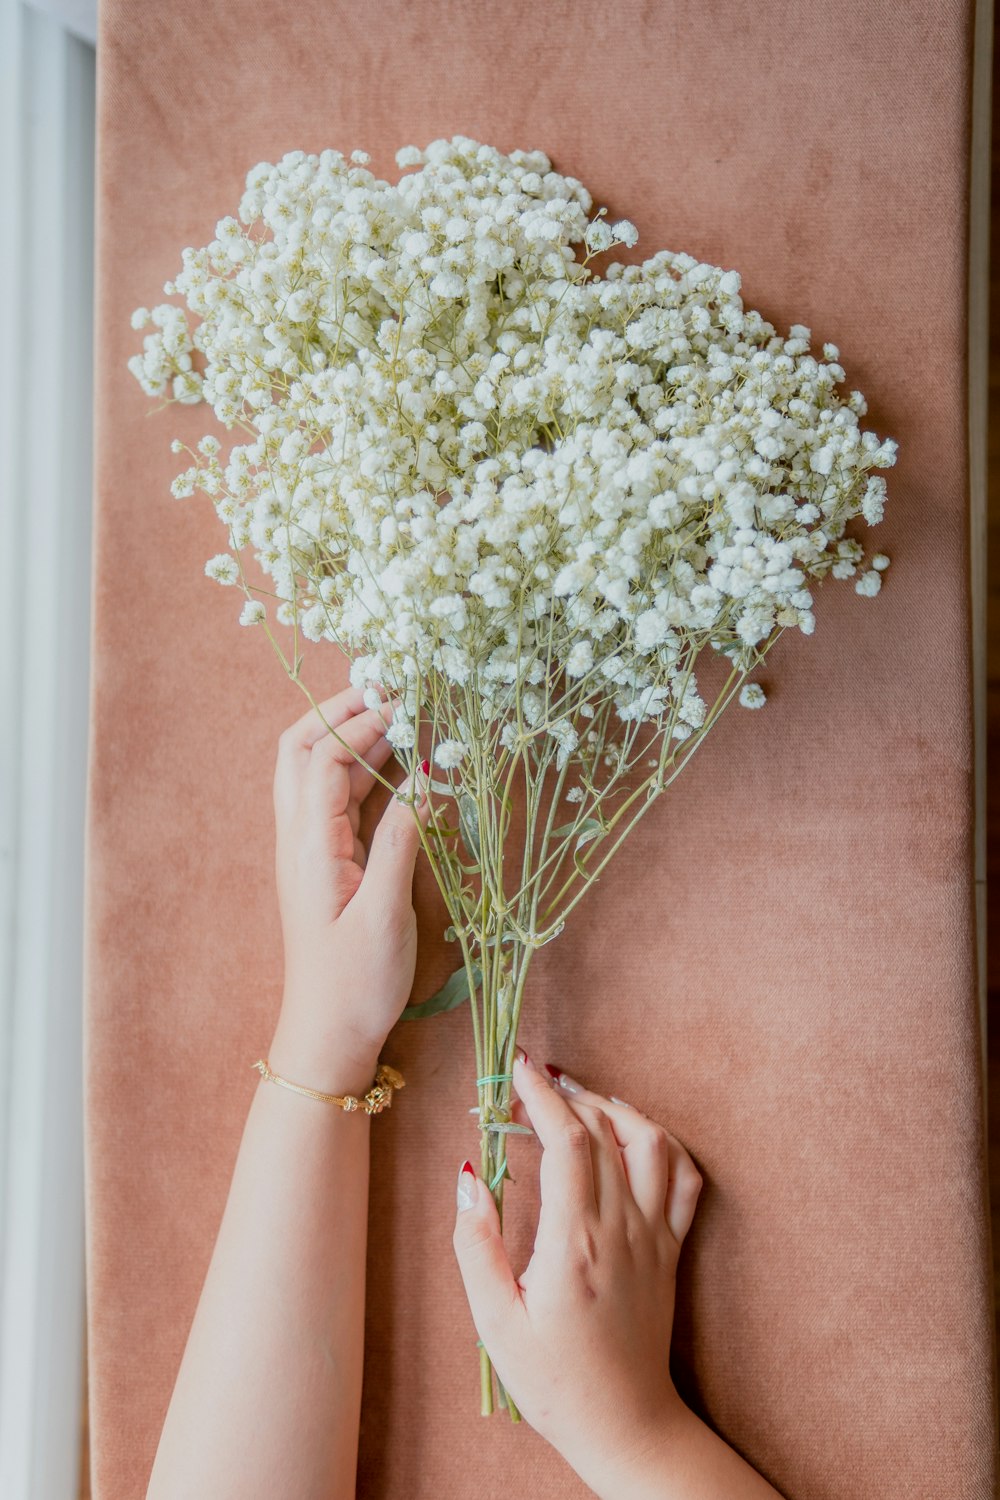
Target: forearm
<point>267,1399</point>
<point>685,1460</point>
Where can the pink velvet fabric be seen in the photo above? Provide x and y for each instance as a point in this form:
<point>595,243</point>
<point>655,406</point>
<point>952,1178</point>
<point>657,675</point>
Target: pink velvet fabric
<point>780,965</point>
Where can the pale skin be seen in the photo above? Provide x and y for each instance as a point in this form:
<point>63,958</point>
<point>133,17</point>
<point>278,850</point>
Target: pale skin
<point>267,1398</point>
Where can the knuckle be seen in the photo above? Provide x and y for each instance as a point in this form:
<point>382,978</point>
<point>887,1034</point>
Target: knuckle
<point>382,926</point>
<point>693,1178</point>
<point>598,1124</point>
<point>395,835</point>
<point>587,1245</point>
<point>659,1140</point>
<point>583,1255</point>
<point>468,1237</point>
<point>328,747</point>
<point>637,1234</point>
<point>576,1137</point>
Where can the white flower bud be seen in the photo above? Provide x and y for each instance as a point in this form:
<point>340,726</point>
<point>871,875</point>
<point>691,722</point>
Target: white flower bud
<point>223,568</point>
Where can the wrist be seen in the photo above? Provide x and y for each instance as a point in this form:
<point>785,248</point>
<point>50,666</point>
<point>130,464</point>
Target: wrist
<point>334,1062</point>
<point>643,1465</point>
<point>333,1019</point>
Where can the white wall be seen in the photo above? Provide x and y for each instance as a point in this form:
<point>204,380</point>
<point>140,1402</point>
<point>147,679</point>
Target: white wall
<point>77,16</point>
<point>47,88</point>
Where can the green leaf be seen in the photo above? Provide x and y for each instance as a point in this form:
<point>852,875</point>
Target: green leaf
<point>452,993</point>
<point>468,817</point>
<point>589,829</point>
<point>505,1006</point>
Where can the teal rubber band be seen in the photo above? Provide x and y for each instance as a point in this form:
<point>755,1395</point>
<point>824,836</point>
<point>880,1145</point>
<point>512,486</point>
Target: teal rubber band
<point>494,1078</point>
<point>499,1173</point>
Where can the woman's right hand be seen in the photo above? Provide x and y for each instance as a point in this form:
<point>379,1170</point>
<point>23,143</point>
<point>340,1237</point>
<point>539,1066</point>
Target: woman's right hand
<point>581,1339</point>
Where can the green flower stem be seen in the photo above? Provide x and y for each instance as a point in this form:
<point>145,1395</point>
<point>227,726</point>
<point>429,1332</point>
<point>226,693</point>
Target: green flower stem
<point>498,932</point>
<point>507,965</point>
<point>485,1383</point>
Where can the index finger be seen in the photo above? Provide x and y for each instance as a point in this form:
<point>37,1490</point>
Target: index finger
<point>317,721</point>
<point>566,1172</point>
<point>299,742</point>
<point>326,780</point>
<point>661,1173</point>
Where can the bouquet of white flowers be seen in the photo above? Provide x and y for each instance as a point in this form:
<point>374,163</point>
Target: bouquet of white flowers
<point>530,501</point>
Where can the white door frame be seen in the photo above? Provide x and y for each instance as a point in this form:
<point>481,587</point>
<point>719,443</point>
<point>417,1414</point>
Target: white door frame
<point>47,95</point>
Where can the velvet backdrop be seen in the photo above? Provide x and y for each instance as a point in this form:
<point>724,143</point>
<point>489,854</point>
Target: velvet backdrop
<point>781,965</point>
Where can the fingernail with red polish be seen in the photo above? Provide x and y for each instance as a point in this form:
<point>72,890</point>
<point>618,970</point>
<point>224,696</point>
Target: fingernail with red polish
<point>523,1057</point>
<point>467,1189</point>
<point>553,1072</point>
<point>425,766</point>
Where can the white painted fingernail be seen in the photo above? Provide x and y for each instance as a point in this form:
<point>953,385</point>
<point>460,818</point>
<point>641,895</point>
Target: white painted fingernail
<point>423,780</point>
<point>623,1102</point>
<point>408,792</point>
<point>466,1190</point>
<point>566,1082</point>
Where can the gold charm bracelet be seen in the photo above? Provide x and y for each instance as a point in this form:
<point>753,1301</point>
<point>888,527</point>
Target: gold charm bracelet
<point>378,1097</point>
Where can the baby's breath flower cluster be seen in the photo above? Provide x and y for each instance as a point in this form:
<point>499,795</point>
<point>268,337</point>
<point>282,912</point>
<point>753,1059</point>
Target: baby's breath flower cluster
<point>473,463</point>
<point>471,457</point>
<point>522,496</point>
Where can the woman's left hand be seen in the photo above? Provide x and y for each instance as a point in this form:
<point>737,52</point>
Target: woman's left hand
<point>347,917</point>
<point>581,1339</point>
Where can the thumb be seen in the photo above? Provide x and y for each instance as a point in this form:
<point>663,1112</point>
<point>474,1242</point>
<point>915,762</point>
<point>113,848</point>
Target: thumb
<point>493,1293</point>
<point>394,844</point>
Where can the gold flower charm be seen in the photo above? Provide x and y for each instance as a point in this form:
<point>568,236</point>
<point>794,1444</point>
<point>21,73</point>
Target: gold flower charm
<point>379,1096</point>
